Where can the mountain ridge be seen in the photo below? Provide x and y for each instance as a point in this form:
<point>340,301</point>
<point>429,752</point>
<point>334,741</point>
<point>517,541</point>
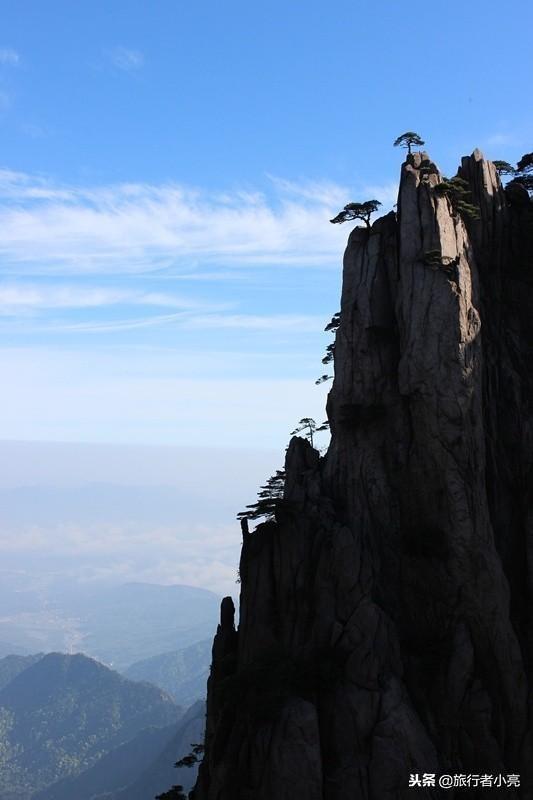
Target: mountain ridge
<point>61,714</point>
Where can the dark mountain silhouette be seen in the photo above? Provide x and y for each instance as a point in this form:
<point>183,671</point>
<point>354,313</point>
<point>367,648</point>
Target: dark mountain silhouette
<point>386,612</point>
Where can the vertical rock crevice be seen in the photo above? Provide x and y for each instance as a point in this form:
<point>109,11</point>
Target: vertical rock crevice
<point>385,616</point>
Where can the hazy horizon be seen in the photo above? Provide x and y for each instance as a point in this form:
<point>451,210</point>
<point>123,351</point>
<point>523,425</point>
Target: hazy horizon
<point>126,512</point>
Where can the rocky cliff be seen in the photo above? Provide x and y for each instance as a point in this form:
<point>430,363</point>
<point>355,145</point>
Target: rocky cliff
<point>386,615</point>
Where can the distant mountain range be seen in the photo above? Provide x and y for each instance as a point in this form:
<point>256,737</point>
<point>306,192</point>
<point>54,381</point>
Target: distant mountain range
<point>118,625</point>
<point>183,673</point>
<point>62,715</point>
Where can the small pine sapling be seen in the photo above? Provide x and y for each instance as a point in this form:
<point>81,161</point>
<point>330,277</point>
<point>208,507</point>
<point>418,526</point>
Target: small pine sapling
<point>309,428</point>
<point>331,327</point>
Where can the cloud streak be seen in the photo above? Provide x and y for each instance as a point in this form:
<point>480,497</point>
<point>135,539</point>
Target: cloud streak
<point>17,298</point>
<point>47,228</point>
<point>287,322</point>
<point>30,305</point>
<point>281,322</point>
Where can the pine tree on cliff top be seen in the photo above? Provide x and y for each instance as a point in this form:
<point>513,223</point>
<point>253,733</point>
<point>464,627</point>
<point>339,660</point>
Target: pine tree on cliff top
<point>308,427</point>
<point>353,211</point>
<point>408,140</point>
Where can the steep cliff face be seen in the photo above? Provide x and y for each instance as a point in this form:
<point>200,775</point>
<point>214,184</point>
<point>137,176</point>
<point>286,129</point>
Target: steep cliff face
<point>385,617</point>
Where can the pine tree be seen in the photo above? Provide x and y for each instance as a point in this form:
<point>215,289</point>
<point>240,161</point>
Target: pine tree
<point>192,758</point>
<point>524,172</point>
<point>458,192</point>
<point>331,327</point>
<point>504,168</point>
<point>526,163</point>
<point>330,353</point>
<point>353,211</point>
<point>308,426</point>
<point>334,322</point>
<point>268,498</point>
<point>408,140</point>
<point>176,793</point>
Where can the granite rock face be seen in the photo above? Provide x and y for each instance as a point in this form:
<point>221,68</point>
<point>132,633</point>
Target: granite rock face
<point>386,616</point>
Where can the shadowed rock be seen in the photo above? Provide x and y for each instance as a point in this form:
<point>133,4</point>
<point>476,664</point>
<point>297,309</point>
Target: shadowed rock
<point>385,616</point>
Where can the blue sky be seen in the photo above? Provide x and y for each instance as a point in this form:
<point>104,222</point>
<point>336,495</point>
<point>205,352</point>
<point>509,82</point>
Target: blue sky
<point>168,172</point>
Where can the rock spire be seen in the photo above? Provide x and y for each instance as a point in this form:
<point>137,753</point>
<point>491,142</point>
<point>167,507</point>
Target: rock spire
<point>386,615</point>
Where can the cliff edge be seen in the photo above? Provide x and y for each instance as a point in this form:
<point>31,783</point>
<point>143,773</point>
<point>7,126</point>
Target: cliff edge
<point>386,615</point>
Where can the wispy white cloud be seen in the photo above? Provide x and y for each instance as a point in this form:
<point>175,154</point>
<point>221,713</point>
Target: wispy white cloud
<point>274,322</point>
<point>15,298</point>
<point>135,228</point>
<point>335,196</point>
<point>125,58</point>
<point>20,301</point>
<point>111,326</point>
<point>9,56</point>
<point>324,193</point>
<point>22,188</point>
<point>184,319</point>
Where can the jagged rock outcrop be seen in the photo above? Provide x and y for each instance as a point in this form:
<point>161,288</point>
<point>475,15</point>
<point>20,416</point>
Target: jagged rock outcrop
<point>386,615</point>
